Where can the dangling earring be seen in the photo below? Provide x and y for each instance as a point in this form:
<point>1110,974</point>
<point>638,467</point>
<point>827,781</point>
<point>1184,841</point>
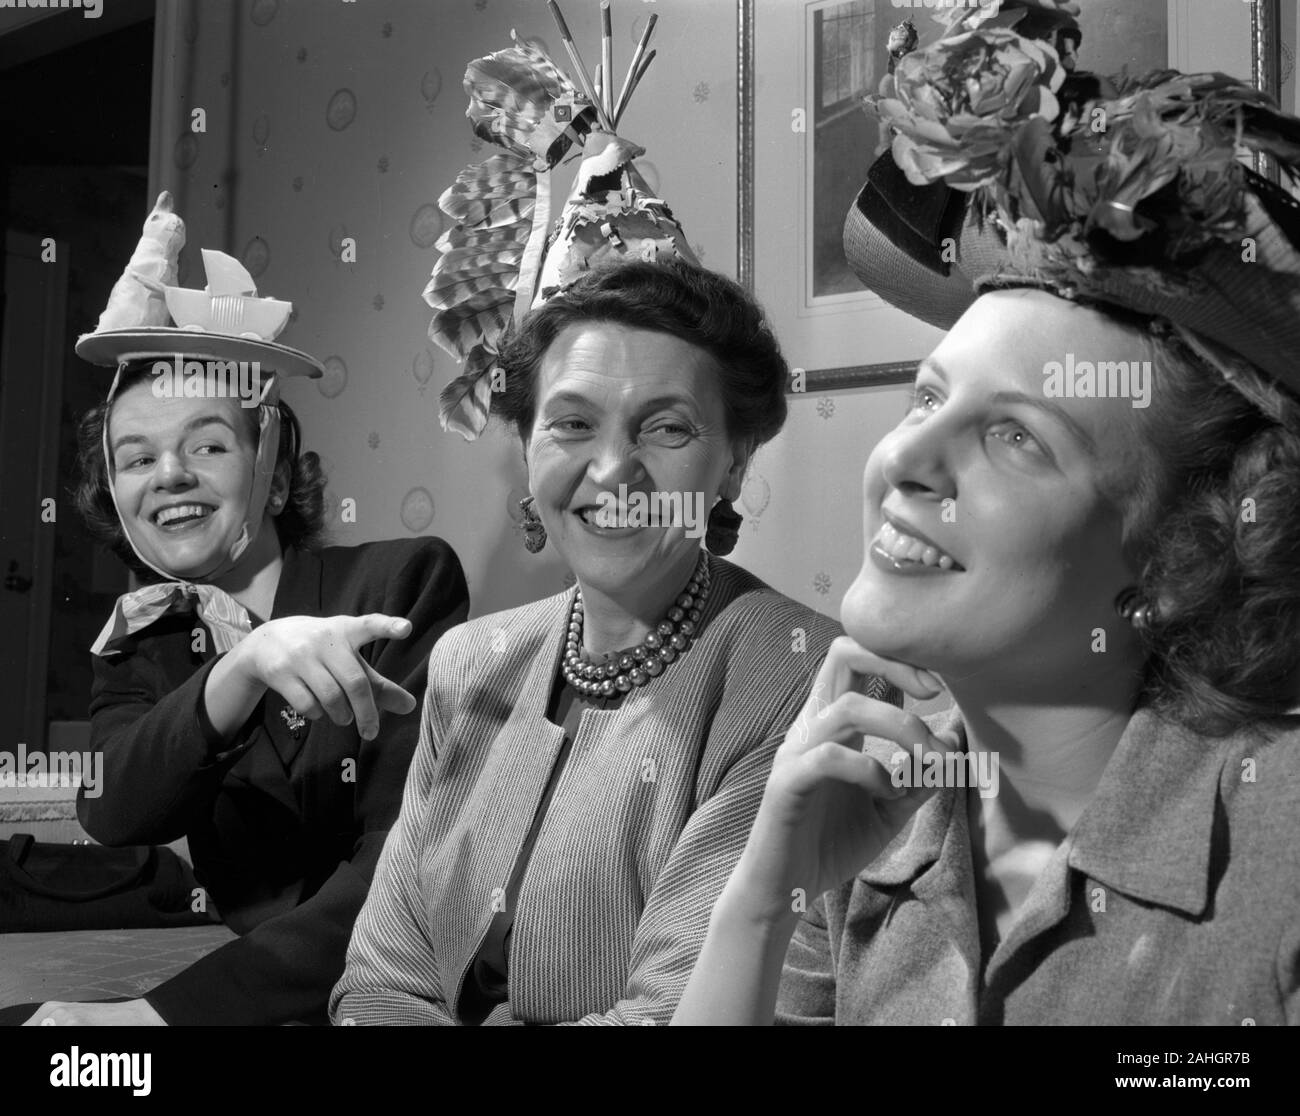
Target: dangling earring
<point>534,532</point>
<point>724,528</point>
<point>1130,606</point>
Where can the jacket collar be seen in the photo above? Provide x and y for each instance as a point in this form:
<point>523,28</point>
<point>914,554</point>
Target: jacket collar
<point>297,594</point>
<point>299,590</point>
<point>1147,831</point>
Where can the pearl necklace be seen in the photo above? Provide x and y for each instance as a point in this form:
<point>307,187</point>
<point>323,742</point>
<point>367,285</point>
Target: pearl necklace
<point>649,658</point>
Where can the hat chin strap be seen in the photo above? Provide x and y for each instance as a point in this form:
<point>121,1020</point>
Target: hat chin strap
<point>268,445</point>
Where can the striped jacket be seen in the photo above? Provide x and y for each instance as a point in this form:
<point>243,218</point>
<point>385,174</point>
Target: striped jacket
<point>648,817</point>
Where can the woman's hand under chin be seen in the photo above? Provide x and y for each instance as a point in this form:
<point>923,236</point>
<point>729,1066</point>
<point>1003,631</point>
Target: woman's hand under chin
<point>133,1013</point>
<point>829,808</point>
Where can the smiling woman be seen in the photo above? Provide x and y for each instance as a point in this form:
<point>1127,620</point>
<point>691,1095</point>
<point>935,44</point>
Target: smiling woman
<point>246,676</point>
<point>1118,614</point>
<point>589,765</point>
<point>256,694</point>
<point>596,376</point>
<point>1032,530</point>
<point>220,436</point>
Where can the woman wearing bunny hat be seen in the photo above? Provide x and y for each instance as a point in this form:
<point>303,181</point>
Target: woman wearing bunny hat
<point>256,695</point>
<point>1112,601</point>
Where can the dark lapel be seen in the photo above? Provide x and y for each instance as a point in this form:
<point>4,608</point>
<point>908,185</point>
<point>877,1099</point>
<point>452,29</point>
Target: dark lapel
<point>298,594</point>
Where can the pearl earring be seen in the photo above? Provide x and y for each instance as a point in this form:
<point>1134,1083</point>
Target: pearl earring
<point>1131,607</point>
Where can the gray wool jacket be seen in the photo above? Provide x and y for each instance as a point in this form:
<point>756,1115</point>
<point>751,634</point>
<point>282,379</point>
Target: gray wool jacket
<point>1175,899</point>
<point>647,820</point>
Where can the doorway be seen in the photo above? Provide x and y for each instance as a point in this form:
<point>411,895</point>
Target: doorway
<point>75,113</point>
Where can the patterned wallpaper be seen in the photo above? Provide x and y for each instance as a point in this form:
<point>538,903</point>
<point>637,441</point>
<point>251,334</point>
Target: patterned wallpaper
<point>328,119</point>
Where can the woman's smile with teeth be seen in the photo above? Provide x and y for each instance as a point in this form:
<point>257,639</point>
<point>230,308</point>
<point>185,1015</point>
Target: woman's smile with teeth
<point>904,548</point>
<point>181,513</point>
<point>603,520</point>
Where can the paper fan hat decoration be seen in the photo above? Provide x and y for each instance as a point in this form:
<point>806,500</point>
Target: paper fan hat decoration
<point>1009,168</point>
<point>500,258</point>
<point>151,319</point>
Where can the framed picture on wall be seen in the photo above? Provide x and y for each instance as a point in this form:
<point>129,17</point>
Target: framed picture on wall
<point>806,143</point>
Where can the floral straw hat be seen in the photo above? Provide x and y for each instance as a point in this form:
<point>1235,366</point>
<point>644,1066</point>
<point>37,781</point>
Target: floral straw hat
<point>1005,169</point>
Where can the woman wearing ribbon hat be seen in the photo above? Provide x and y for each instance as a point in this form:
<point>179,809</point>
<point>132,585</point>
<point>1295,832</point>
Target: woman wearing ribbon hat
<point>256,695</point>
<point>589,764</point>
<point>1113,599</point>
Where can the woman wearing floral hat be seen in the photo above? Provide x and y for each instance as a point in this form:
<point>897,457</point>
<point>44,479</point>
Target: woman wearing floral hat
<point>1085,530</point>
<point>257,695</point>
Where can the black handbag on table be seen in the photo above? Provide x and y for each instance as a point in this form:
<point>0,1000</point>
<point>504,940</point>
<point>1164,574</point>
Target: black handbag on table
<point>46,886</point>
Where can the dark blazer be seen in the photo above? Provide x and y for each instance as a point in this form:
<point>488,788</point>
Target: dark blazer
<point>284,833</point>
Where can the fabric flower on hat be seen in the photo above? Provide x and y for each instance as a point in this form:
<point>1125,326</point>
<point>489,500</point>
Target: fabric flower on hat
<point>955,107</point>
<point>1159,179</point>
<point>1130,193</point>
<point>1171,166</point>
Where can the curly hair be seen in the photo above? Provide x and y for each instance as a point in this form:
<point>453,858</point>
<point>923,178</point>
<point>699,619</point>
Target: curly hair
<point>674,297</point>
<point>1211,525</point>
<point>300,524</point>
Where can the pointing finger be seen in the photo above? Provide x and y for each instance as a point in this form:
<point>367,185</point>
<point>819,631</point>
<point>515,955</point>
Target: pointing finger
<point>375,625</point>
<point>389,695</point>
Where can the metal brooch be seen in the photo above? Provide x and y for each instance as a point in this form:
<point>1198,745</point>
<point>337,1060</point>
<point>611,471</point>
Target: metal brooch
<point>294,721</point>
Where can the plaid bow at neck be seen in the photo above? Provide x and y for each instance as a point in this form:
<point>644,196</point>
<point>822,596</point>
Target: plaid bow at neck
<point>226,618</point>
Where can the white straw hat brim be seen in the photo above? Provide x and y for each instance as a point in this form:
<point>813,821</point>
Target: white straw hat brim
<point>119,346</point>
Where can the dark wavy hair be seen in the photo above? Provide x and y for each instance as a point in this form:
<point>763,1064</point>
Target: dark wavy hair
<point>300,524</point>
<point>699,306</point>
<point>1222,575</point>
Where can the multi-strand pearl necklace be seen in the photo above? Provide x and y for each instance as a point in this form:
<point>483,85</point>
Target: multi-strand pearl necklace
<point>649,658</point>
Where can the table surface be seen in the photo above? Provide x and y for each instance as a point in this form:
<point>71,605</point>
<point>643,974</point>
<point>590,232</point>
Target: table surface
<point>78,965</point>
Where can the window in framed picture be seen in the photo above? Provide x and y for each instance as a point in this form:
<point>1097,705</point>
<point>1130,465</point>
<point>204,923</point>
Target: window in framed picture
<point>814,61</point>
<point>847,42</point>
<point>844,70</point>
